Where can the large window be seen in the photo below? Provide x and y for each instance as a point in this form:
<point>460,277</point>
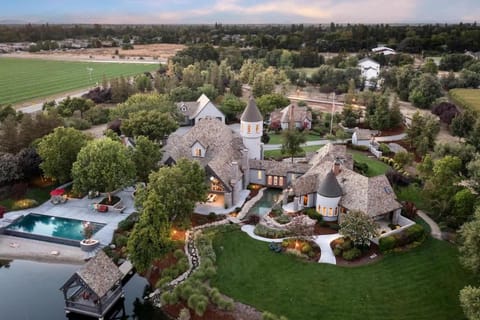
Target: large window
<point>280,181</point>
<point>275,181</point>
<point>216,185</point>
<point>259,174</point>
<point>257,128</point>
<point>249,128</point>
<point>269,180</point>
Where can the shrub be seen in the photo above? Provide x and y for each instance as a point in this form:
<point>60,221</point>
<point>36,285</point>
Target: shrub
<point>360,167</point>
<point>126,224</point>
<point>283,219</point>
<point>337,251</point>
<point>24,204</point>
<point>313,214</point>
<point>253,219</point>
<point>212,216</point>
<point>198,303</point>
<point>384,148</point>
<point>276,212</point>
<point>359,147</point>
<point>121,241</point>
<point>387,243</point>
<point>264,231</point>
<point>97,115</point>
<point>415,232</point>
<point>351,254</point>
<point>270,316</point>
<point>347,244</point>
<point>306,248</point>
<point>77,123</point>
<point>178,254</point>
<point>403,158</point>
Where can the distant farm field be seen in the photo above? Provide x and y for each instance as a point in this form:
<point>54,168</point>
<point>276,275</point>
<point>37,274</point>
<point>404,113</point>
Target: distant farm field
<point>466,98</point>
<point>29,79</point>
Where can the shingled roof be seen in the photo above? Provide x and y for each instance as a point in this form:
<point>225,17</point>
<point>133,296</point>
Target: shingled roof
<point>278,168</point>
<point>373,195</point>
<point>192,108</point>
<point>251,112</point>
<point>100,274</point>
<point>222,147</point>
<point>329,186</point>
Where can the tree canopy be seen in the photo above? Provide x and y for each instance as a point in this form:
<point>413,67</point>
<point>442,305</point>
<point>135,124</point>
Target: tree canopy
<point>153,124</point>
<point>146,156</point>
<point>359,227</point>
<point>59,151</point>
<point>103,165</point>
<point>292,140</point>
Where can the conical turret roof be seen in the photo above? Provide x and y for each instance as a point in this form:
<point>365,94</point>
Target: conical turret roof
<point>329,186</point>
<point>251,113</point>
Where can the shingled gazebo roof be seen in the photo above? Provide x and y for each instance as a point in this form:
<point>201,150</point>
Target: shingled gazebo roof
<point>100,274</point>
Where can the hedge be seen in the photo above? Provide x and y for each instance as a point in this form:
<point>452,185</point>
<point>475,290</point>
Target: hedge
<point>415,233</point>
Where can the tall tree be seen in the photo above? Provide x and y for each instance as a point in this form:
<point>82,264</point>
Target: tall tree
<point>59,151</point>
<point>10,169</point>
<point>103,165</point>
<point>9,135</point>
<point>424,90</point>
<point>292,139</point>
<point>269,102</point>
<point>155,125</point>
<point>422,131</point>
<point>359,227</point>
<point>178,188</point>
<point>150,238</point>
<point>470,244</point>
<point>146,156</point>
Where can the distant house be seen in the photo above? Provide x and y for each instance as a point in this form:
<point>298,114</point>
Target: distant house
<point>370,70</point>
<point>361,137</point>
<point>299,117</point>
<point>386,51</point>
<point>194,111</point>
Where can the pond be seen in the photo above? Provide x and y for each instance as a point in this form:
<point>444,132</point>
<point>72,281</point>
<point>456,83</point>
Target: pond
<point>30,290</point>
<point>263,206</point>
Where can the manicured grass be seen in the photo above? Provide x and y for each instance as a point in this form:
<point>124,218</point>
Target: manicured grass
<point>278,153</point>
<point>466,98</point>
<point>375,167</point>
<point>27,79</point>
<point>278,138</point>
<point>420,284</point>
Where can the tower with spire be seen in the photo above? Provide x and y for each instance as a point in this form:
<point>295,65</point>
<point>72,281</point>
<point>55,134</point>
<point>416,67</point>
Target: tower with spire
<point>251,130</point>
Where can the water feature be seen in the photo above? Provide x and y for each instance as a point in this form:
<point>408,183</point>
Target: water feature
<point>264,205</point>
<point>30,290</point>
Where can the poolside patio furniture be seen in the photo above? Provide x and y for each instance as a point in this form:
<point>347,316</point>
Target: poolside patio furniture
<point>93,194</point>
<point>102,208</point>
<point>58,196</point>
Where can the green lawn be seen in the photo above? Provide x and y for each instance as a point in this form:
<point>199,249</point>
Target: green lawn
<point>277,138</point>
<point>278,153</point>
<point>466,98</point>
<point>40,194</point>
<point>375,167</point>
<point>420,284</point>
<point>308,71</point>
<point>27,79</point>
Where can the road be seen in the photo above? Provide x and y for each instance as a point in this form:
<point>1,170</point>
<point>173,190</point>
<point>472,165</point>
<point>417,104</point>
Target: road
<point>38,106</point>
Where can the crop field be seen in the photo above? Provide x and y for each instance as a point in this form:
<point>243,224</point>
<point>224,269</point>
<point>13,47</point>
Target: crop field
<point>28,79</point>
<point>466,98</point>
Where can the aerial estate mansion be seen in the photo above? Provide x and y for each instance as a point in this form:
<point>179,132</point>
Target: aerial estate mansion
<point>325,182</point>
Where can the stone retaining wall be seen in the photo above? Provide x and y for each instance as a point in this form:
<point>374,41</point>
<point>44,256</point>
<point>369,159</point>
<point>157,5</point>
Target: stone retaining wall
<point>249,204</point>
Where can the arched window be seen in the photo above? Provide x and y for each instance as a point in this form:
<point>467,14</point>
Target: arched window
<point>249,128</point>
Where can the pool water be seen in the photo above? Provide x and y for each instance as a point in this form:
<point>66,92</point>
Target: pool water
<point>264,205</point>
<point>48,226</point>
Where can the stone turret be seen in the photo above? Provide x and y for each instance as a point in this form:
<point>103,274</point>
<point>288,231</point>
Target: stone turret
<point>251,130</point>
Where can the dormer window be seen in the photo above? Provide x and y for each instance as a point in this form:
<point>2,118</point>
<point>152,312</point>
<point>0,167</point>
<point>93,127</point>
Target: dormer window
<point>198,150</point>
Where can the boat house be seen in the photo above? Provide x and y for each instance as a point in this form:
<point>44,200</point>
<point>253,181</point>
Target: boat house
<point>95,288</point>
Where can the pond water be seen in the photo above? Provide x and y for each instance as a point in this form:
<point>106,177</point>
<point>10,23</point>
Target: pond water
<point>263,206</point>
<point>30,290</point>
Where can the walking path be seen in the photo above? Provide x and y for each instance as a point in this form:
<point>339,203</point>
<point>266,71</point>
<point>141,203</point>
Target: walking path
<point>435,229</point>
<point>322,241</point>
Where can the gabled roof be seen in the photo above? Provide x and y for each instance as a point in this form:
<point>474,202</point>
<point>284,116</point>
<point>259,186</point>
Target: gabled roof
<point>222,147</point>
<point>193,108</point>
<point>251,112</point>
<point>100,274</point>
<point>329,186</point>
<point>300,114</point>
<point>367,59</point>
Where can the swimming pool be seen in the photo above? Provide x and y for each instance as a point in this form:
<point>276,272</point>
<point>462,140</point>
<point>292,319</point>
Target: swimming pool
<point>52,229</point>
<point>264,205</point>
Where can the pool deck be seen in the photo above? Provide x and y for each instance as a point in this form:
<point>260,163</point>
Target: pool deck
<point>80,209</point>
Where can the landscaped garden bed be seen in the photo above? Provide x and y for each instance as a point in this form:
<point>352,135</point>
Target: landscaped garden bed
<point>110,202</point>
<point>28,194</point>
<point>348,255</point>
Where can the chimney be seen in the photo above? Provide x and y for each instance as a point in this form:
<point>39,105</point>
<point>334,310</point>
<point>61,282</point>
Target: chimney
<point>336,167</point>
<point>235,170</point>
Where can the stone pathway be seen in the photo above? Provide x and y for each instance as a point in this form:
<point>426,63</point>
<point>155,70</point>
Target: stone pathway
<point>322,241</point>
<point>435,229</point>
